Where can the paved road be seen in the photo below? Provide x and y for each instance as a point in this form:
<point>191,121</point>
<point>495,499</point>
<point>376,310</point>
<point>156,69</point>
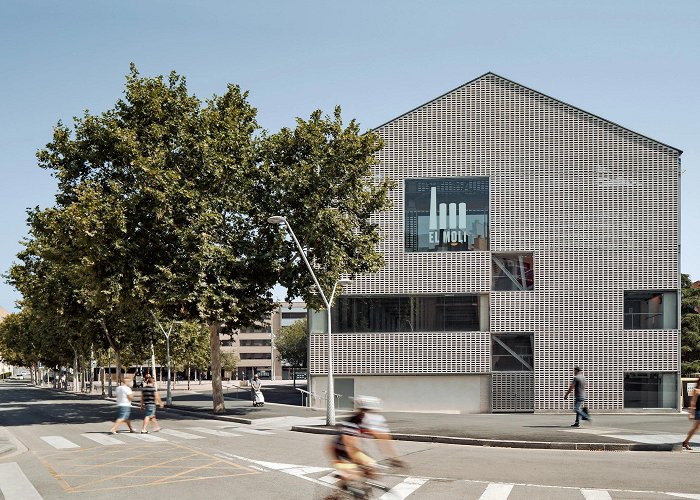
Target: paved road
<point>64,452</point>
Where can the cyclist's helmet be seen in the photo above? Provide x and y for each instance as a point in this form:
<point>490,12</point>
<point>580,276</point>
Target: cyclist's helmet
<point>369,403</point>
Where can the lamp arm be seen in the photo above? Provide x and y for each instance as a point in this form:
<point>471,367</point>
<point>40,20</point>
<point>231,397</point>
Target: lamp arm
<point>303,256</point>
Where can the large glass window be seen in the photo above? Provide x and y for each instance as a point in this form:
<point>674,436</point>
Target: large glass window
<point>446,215</point>
<point>650,390</point>
<point>512,272</point>
<point>512,352</point>
<point>406,314</point>
<point>651,310</point>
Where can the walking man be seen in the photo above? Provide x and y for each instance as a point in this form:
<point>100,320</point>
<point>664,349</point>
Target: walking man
<point>149,399</point>
<point>124,397</point>
<point>578,386</point>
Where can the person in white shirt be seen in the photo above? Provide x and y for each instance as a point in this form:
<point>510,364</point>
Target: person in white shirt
<point>124,397</point>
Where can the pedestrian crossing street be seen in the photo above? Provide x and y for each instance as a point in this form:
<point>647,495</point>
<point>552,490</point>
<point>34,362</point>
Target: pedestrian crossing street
<point>162,436</point>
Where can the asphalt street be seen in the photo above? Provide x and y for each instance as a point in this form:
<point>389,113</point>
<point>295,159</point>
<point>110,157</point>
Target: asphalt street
<point>62,450</point>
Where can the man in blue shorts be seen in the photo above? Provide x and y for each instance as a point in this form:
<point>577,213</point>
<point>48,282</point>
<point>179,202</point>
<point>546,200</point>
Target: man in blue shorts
<point>124,397</point>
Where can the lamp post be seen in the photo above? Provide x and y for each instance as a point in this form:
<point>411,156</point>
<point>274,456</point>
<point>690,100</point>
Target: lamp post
<point>168,397</point>
<point>330,401</point>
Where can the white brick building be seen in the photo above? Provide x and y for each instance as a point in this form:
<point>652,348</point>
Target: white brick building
<point>526,236</point>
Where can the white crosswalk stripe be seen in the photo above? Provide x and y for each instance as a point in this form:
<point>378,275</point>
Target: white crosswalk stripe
<point>496,491</point>
<point>404,488</point>
<point>102,439</point>
<point>14,485</point>
<point>214,432</point>
<point>149,438</point>
<point>58,442</point>
<point>596,495</point>
<point>179,434</point>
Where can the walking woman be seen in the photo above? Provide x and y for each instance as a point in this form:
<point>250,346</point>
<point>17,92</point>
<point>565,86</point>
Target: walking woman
<point>694,415</point>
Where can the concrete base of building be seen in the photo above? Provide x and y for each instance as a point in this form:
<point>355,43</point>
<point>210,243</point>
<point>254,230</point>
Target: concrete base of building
<point>430,393</point>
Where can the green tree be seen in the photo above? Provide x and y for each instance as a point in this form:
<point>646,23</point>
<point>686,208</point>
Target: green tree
<point>690,326</point>
<point>319,176</point>
<point>229,362</point>
<point>292,344</point>
<point>189,347</point>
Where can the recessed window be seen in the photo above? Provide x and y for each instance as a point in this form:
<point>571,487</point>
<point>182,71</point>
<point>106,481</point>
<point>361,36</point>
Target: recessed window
<point>512,352</point>
<point>446,215</point>
<point>513,272</point>
<point>651,310</point>
<point>256,355</point>
<point>255,342</point>
<point>406,314</point>
<point>650,390</point>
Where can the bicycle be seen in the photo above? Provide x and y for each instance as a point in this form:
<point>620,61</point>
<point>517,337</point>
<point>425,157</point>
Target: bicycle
<point>362,482</point>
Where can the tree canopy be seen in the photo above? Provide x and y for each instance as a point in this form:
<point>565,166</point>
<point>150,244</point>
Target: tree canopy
<point>162,208</point>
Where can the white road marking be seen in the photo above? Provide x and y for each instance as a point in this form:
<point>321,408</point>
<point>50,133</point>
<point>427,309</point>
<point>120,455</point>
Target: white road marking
<point>15,485</point>
<point>288,422</point>
<point>251,431</point>
<point>102,439</point>
<point>59,442</point>
<point>214,432</point>
<point>182,435</point>
<point>149,438</point>
<point>330,479</point>
<point>404,488</point>
<point>496,491</point>
<point>596,494</point>
<point>493,491</point>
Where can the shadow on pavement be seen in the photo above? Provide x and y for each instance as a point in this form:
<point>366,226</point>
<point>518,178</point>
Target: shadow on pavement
<point>23,404</point>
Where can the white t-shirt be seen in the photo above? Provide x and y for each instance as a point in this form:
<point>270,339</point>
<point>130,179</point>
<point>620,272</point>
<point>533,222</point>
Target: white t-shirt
<point>374,422</point>
<point>123,393</point>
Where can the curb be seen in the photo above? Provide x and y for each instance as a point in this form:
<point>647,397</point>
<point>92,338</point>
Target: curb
<point>493,443</point>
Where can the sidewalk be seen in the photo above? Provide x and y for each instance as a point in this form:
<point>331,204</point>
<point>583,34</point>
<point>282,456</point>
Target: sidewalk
<point>616,431</point>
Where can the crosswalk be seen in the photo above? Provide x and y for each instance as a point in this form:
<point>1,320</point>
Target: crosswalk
<point>162,436</point>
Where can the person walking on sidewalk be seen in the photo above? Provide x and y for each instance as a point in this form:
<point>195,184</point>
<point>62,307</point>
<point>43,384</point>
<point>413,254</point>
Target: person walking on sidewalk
<point>149,399</point>
<point>578,387</point>
<point>694,414</point>
<point>124,397</point>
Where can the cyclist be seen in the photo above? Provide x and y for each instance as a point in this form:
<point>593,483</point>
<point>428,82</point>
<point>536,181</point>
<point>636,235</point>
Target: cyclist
<point>349,461</point>
<point>373,424</point>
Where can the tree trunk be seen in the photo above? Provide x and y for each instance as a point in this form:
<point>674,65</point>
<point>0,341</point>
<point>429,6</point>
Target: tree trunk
<point>188,377</point>
<point>75,372</point>
<point>217,391</point>
<point>102,378</point>
<point>117,356</point>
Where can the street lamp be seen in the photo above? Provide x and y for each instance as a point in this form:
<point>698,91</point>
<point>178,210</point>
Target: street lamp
<point>168,397</point>
<point>330,402</point>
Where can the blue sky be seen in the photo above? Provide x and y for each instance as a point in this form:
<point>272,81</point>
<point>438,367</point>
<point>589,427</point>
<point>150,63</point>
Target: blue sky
<point>634,62</point>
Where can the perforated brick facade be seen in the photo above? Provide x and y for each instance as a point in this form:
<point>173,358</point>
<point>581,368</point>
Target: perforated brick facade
<point>597,206</point>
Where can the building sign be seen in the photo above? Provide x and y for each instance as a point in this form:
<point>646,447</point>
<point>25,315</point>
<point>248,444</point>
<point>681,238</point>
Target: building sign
<point>447,215</point>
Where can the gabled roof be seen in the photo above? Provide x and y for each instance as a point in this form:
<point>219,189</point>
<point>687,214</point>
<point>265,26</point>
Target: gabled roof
<point>535,92</point>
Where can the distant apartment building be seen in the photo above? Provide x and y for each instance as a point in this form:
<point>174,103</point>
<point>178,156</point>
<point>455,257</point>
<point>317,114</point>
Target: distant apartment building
<point>286,315</point>
<point>255,348</point>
